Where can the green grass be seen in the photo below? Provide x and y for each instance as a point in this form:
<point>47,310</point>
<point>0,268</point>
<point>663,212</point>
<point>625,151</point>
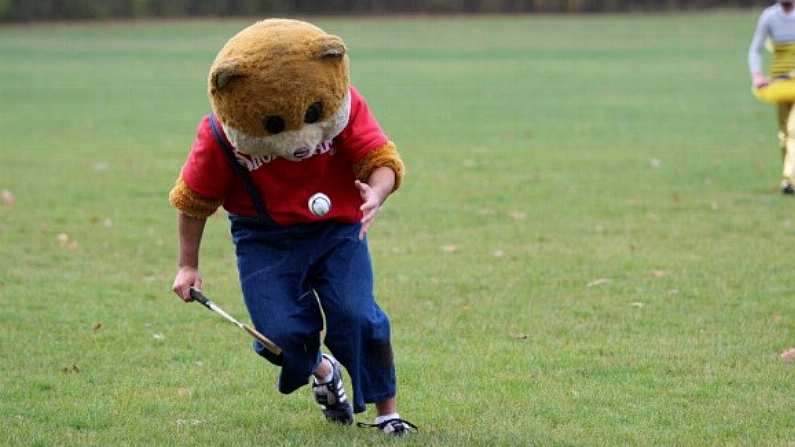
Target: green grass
<point>544,153</point>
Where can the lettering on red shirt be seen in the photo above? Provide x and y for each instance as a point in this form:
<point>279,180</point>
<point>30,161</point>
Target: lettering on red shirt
<point>287,185</point>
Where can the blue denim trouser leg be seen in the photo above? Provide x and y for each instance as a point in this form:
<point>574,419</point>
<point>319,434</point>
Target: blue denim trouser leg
<point>279,270</point>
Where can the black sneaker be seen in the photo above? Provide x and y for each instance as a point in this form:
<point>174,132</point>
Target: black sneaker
<point>331,396</point>
<point>786,188</point>
<point>394,427</point>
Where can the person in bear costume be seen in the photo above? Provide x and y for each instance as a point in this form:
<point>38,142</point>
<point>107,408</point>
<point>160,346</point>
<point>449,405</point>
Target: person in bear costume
<point>285,125</point>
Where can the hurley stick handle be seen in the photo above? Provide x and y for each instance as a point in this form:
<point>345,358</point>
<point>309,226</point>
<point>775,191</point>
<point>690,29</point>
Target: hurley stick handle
<point>198,296</point>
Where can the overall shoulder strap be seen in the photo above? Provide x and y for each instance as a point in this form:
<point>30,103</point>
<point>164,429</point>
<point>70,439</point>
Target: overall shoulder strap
<point>240,170</point>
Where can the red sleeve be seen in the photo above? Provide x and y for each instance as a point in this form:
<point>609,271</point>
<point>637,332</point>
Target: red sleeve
<point>363,133</point>
<point>207,172</point>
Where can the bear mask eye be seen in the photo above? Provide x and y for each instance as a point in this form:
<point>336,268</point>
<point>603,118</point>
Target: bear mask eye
<point>313,113</point>
<point>273,124</point>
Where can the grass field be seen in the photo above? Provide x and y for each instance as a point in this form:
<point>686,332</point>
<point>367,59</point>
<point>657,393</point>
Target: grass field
<point>589,248</point>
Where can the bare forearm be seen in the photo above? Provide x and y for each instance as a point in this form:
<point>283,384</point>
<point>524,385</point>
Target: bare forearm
<point>190,236</point>
<point>382,181</point>
<point>379,186</point>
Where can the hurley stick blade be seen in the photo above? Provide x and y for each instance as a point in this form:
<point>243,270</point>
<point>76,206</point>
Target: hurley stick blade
<point>269,345</point>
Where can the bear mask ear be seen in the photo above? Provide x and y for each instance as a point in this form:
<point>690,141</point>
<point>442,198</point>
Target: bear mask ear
<point>224,74</point>
<point>329,47</point>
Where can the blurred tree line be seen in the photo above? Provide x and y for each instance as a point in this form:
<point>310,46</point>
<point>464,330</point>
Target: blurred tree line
<point>24,10</point>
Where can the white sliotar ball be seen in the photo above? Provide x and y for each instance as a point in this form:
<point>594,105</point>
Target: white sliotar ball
<point>319,204</point>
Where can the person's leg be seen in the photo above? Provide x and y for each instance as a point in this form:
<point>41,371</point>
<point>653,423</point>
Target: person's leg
<point>386,407</point>
<point>782,113</point>
<point>324,370</point>
<point>272,274</point>
<point>358,332</point>
<point>786,122</point>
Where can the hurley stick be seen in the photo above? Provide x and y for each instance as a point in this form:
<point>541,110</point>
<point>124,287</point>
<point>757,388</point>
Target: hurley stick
<point>208,303</point>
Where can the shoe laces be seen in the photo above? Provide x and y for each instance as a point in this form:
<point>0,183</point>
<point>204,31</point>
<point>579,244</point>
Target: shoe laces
<point>395,427</point>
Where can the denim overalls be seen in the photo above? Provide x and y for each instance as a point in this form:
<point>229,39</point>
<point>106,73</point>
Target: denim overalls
<point>280,270</point>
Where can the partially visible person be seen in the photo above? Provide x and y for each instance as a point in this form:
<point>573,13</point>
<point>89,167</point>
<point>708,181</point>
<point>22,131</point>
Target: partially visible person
<point>777,23</point>
<point>286,127</point>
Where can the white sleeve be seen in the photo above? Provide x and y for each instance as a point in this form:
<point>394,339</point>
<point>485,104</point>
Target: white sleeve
<point>758,44</point>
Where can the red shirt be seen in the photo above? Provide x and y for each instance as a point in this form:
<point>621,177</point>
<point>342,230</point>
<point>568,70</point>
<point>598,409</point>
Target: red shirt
<point>287,185</point>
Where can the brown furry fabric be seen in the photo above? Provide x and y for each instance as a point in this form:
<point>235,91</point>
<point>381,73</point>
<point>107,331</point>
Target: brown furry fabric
<point>190,203</point>
<point>277,67</point>
<point>384,156</point>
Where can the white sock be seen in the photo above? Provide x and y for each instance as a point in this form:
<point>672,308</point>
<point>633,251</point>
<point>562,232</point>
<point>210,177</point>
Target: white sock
<point>386,417</point>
